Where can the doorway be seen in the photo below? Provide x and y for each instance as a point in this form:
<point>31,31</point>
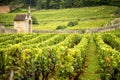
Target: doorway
<point>30,25</point>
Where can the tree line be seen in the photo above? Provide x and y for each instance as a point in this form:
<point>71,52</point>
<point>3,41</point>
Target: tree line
<point>58,4</point>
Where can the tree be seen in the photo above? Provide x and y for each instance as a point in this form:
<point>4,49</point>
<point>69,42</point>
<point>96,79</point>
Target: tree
<point>56,4</point>
<point>69,3</point>
<point>62,4</point>
<point>30,2</point>
<point>48,4</point>
<point>5,2</point>
<point>41,4</point>
<point>16,4</point>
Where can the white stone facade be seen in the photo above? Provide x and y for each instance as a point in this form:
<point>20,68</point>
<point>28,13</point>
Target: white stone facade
<point>23,23</point>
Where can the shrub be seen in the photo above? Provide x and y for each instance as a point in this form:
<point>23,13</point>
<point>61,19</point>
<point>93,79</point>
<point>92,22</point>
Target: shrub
<point>61,27</point>
<point>83,30</point>
<point>78,19</point>
<point>72,23</point>
<point>117,12</point>
<point>34,20</point>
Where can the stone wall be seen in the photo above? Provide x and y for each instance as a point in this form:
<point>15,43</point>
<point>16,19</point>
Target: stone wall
<point>10,31</point>
<point>116,21</point>
<point>93,30</point>
<point>2,28</point>
<point>57,31</point>
<point>103,29</point>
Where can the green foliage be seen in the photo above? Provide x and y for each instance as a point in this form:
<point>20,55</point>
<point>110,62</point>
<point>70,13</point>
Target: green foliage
<point>50,19</point>
<point>5,2</point>
<point>2,62</point>
<point>83,30</point>
<point>32,63</point>
<point>57,4</point>
<point>61,27</point>
<point>72,23</point>
<point>34,20</point>
<point>117,12</point>
<point>108,57</point>
<point>41,4</point>
<point>113,42</point>
<point>53,56</point>
<point>15,4</point>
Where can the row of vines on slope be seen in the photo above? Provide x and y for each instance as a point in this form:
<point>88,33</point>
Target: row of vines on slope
<point>112,40</point>
<point>60,61</point>
<point>56,56</point>
<point>109,58</point>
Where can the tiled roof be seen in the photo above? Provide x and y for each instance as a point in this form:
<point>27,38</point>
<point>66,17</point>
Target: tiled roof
<point>20,17</point>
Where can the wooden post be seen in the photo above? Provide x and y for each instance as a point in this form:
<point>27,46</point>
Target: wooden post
<point>11,74</point>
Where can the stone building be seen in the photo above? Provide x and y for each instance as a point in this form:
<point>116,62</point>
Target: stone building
<point>23,23</point>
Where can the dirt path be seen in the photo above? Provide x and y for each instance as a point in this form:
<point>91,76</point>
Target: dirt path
<point>91,63</point>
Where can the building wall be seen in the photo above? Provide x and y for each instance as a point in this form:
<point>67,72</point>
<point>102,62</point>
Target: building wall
<point>20,26</point>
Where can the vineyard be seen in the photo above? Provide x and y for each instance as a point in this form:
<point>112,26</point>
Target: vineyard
<point>58,56</point>
<point>86,17</point>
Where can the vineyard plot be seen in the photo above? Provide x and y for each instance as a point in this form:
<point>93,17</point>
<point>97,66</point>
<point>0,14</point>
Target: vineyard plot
<point>109,58</point>
<point>56,56</point>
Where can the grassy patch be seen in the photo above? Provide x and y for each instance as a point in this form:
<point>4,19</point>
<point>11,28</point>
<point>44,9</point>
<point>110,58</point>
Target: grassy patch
<point>76,13</point>
<point>46,25</point>
<point>91,24</point>
<point>91,63</point>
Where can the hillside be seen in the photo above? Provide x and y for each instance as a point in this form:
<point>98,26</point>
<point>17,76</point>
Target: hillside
<point>62,56</point>
<point>87,17</point>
